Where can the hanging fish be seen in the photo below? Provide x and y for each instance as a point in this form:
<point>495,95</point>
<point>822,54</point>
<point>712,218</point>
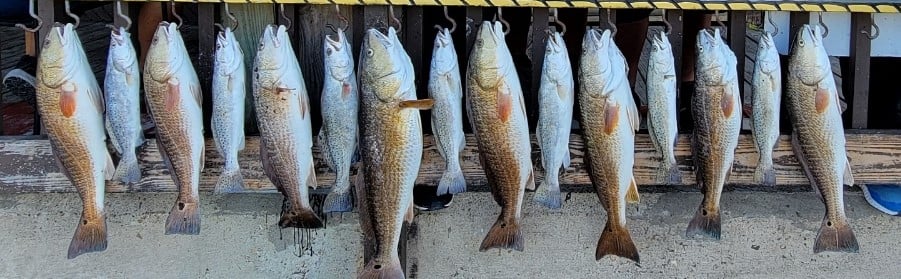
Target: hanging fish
<point>818,139</point>
<point>555,113</point>
<point>174,98</point>
<point>286,135</point>
<point>229,92</point>
<point>447,114</point>
<point>609,121</point>
<point>339,136</point>
<point>494,102</point>
<point>122,85</point>
<point>716,110</point>
<point>662,124</point>
<point>71,106</point>
<point>766,95</point>
<point>391,147</point>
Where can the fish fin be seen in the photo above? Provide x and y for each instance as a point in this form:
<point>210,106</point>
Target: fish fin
<point>339,199</point>
<point>112,137</point>
<point>376,269</point>
<point>566,157</point>
<point>705,223</point>
<point>727,103</point>
<point>408,217</point>
<point>109,171</point>
<point>90,236</point>
<point>616,240</point>
<point>129,171</point>
<point>303,217</point>
<point>68,99</point>
<point>173,94</point>
<point>835,237</point>
<point>304,104</point>
<point>202,157</point>
<point>802,160</point>
<point>267,165</point>
<point>848,177</point>
<point>423,104</point>
<point>322,141</point>
<point>548,193</point>
<point>452,182</point>
<point>747,110</point>
<point>504,103</point>
<point>632,194</point>
<point>632,112</point>
<point>822,100</point>
<point>505,233</point>
<point>345,90</point>
<point>765,174</point>
<point>229,182</point>
<point>195,91</point>
<point>311,179</point>
<point>166,161</point>
<point>530,182</point>
<point>184,218</point>
<point>611,117</point>
<point>674,176</point>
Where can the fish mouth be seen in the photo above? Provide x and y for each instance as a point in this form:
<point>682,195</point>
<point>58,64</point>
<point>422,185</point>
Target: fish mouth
<point>555,41</point>
<point>334,44</point>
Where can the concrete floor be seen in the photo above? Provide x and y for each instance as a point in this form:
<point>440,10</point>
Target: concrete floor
<point>765,235</point>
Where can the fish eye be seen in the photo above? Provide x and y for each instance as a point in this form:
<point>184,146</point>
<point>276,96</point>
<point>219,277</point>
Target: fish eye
<point>479,41</point>
<point>328,51</point>
<point>700,49</point>
<point>801,42</point>
<point>369,52</point>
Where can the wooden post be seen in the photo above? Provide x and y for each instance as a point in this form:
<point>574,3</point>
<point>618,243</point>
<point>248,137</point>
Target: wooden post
<point>252,18</point>
<point>468,33</point>
<point>737,31</point>
<point>49,12</point>
<point>539,44</point>
<point>860,63</point>
<point>796,20</point>
<point>674,18</point>
<point>413,44</point>
<point>206,40</point>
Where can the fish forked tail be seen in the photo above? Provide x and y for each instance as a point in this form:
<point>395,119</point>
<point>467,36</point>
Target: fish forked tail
<point>339,199</point>
<point>669,174</point>
<point>90,236</point>
<point>505,233</point>
<point>230,182</point>
<point>548,193</point>
<point>303,217</point>
<point>378,269</point>
<point>835,237</point>
<point>128,171</point>
<point>452,181</point>
<point>616,240</point>
<point>705,223</point>
<point>184,218</point>
<point>765,174</point>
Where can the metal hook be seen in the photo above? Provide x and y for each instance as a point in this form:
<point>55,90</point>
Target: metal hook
<point>825,28</point>
<point>33,15</point>
<point>775,27</point>
<point>172,9</point>
<point>558,22</point>
<point>875,34</point>
<point>123,16</point>
<point>452,21</point>
<point>68,12</point>
<point>392,18</point>
<point>500,17</point>
<point>342,18</point>
<point>281,12</point>
<point>613,28</point>
<point>230,16</point>
<point>668,28</point>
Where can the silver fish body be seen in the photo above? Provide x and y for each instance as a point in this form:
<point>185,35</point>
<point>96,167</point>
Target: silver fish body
<point>339,136</point>
<point>766,95</point>
<point>229,92</point>
<point>447,114</point>
<point>662,124</point>
<point>122,85</point>
<point>556,96</point>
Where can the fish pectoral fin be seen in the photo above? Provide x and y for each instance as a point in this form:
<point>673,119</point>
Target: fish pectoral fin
<point>632,193</point>
<point>822,100</point>
<point>423,104</point>
<point>173,94</point>
<point>562,92</point>
<point>345,90</point>
<point>504,103</point>
<point>848,177</point>
<point>727,103</point>
<point>611,116</point>
<point>68,99</point>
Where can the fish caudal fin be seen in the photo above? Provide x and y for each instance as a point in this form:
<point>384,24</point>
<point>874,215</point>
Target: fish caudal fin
<point>835,237</point>
<point>452,182</point>
<point>705,223</point>
<point>90,236</point>
<point>184,219</point>
<point>765,174</point>
<point>616,240</point>
<point>377,269</point>
<point>339,199</point>
<point>669,174</point>
<point>300,218</point>
<point>505,233</point>
<point>128,171</point>
<point>548,193</point>
<point>230,182</point>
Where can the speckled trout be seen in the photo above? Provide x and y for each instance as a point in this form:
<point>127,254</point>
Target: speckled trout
<point>662,124</point>
<point>122,86</point>
<point>229,92</point>
<point>766,95</point>
<point>339,136</point>
<point>556,96</point>
<point>447,114</point>
<point>71,106</point>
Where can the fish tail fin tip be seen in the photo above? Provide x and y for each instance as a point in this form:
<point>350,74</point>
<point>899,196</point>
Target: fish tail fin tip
<point>129,172</point>
<point>505,233</point>
<point>229,182</point>
<point>765,175</point>
<point>302,218</point>
<point>184,219</point>
<point>377,270</point>
<point>90,236</point>
<point>616,240</point>
<point>452,182</point>
<point>548,193</point>
<point>835,237</point>
<point>673,175</point>
<point>338,201</point>
<point>705,223</point>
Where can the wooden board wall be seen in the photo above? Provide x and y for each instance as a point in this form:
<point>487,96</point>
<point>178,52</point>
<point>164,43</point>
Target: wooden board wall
<point>29,166</point>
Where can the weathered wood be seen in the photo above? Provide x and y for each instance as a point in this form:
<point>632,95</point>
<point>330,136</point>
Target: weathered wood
<point>252,19</point>
<point>206,41</point>
<point>738,28</point>
<point>538,46</point>
<point>469,25</point>
<point>860,63</point>
<point>29,166</point>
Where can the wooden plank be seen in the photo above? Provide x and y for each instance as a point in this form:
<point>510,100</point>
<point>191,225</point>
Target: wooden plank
<point>539,44</point>
<point>738,28</point>
<point>50,12</point>
<point>29,166</point>
<point>860,63</point>
<point>206,40</point>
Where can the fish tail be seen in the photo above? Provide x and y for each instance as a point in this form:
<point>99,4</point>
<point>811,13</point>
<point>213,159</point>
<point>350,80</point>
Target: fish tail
<point>616,240</point>
<point>452,182</point>
<point>548,193</point>
<point>303,217</point>
<point>505,233</point>
<point>184,218</point>
<point>339,199</point>
<point>378,269</point>
<point>129,171</point>
<point>669,174</point>
<point>705,222</point>
<point>230,181</point>
<point>90,236</point>
<point>765,174</point>
<point>836,237</point>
